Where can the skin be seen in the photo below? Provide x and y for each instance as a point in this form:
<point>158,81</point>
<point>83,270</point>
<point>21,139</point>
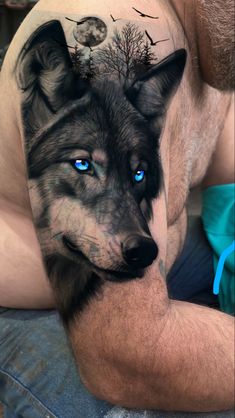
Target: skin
<point>210,26</point>
<point>134,346</point>
<point>184,336</point>
<point>221,168</point>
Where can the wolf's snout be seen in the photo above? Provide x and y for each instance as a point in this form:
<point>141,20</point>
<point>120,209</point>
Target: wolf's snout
<point>138,251</point>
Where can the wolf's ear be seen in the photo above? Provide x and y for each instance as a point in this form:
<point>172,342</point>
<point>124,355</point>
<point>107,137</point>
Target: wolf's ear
<point>45,75</point>
<point>151,92</point>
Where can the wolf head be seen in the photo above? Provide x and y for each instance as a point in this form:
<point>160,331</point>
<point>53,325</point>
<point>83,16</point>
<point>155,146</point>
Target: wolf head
<point>92,150</point>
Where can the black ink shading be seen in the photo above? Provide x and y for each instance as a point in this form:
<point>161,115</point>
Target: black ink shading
<point>113,19</point>
<point>78,22</point>
<point>152,43</point>
<point>64,112</point>
<point>90,31</point>
<point>144,15</point>
<point>83,67</point>
<point>127,55</point>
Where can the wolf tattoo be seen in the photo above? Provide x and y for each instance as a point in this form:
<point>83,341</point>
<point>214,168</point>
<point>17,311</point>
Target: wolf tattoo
<point>92,152</point>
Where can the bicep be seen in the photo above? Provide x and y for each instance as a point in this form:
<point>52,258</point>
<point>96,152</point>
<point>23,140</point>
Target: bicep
<point>92,124</point>
<point>96,185</point>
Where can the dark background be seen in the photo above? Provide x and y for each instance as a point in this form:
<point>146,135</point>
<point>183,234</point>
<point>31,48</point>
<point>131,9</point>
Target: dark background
<point>11,16</point>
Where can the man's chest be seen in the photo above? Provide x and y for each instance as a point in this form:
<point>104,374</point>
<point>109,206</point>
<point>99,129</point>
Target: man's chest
<point>192,130</point>
<point>193,127</point>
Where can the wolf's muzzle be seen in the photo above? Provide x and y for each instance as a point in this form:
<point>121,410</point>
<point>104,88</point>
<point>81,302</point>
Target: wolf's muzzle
<point>138,251</point>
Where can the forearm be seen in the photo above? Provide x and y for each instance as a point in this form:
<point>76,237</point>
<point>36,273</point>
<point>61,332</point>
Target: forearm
<point>201,368</point>
<point>154,355</point>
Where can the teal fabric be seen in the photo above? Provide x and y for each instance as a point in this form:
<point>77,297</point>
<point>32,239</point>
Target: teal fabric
<point>218,217</point>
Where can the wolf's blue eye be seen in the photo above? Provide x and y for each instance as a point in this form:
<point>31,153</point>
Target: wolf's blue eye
<point>82,165</point>
<point>139,176</point>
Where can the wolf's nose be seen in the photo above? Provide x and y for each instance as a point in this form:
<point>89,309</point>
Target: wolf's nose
<point>138,251</point>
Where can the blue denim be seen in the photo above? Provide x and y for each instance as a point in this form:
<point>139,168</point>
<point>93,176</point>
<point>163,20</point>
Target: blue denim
<point>38,375</point>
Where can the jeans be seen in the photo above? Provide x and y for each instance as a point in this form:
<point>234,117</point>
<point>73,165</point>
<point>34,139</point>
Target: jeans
<point>38,376</point>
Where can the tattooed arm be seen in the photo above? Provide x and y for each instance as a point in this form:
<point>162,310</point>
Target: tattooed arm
<point>95,167</point>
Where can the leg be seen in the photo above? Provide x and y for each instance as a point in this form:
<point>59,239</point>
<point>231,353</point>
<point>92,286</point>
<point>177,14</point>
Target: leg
<point>38,376</point>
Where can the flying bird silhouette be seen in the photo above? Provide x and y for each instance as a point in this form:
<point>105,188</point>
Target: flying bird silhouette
<point>114,20</point>
<point>144,15</point>
<point>80,22</point>
<point>155,43</point>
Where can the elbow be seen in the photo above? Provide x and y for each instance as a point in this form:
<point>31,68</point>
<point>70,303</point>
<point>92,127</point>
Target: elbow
<point>111,387</point>
<point>126,388</point>
<point>107,390</point>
